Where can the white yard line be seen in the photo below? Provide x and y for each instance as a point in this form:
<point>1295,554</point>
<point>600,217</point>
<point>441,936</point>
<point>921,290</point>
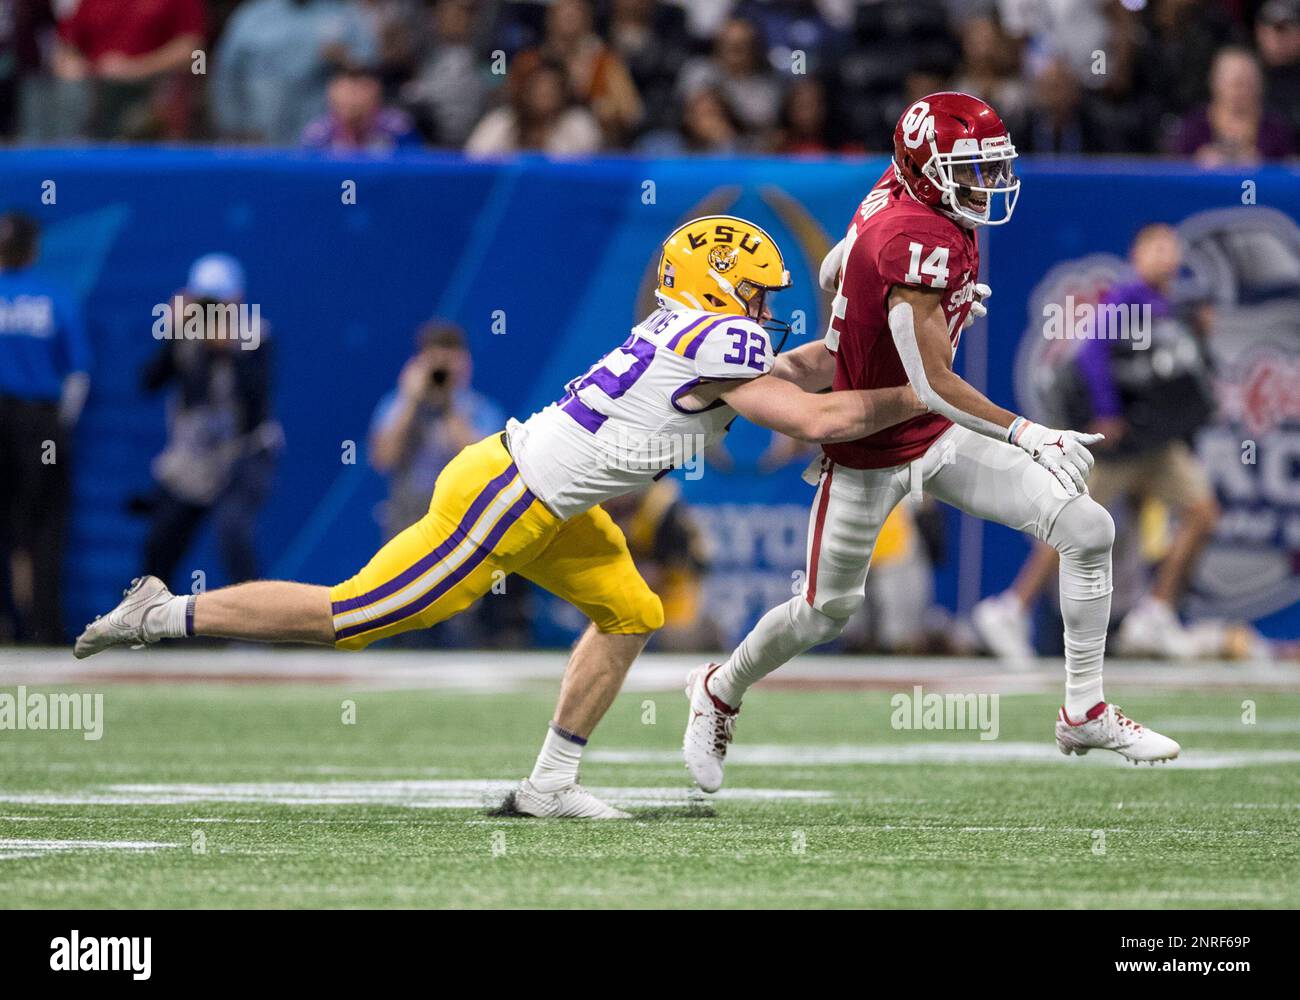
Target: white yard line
<point>490,671</point>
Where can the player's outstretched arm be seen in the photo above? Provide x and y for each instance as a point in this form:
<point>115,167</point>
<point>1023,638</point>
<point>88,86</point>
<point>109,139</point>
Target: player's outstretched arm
<point>920,333</point>
<point>810,366</point>
<point>820,418</point>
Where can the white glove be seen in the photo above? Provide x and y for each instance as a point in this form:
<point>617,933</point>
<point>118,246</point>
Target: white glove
<point>978,310</point>
<point>1062,453</point>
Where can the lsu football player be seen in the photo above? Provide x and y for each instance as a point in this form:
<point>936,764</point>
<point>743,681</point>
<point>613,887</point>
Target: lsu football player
<point>527,500</point>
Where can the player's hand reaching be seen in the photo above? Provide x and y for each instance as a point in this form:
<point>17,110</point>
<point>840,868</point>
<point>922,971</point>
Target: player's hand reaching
<point>1064,454</point>
<point>978,310</point>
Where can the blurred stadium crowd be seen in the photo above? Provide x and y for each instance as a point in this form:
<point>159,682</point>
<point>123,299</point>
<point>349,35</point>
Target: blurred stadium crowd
<point>1215,79</point>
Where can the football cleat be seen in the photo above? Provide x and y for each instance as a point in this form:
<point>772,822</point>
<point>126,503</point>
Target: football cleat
<point>1003,627</point>
<point>709,730</point>
<point>570,802</point>
<point>125,624</point>
<point>1153,629</point>
<point>1106,727</point>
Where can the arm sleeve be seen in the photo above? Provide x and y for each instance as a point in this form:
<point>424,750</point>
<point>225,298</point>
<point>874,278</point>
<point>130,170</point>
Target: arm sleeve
<point>903,327</point>
<point>738,348</point>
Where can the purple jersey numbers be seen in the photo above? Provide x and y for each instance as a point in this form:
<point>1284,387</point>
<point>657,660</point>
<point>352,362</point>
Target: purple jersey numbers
<point>747,348</point>
<point>642,353</point>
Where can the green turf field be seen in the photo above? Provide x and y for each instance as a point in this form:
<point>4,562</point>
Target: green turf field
<point>204,795</point>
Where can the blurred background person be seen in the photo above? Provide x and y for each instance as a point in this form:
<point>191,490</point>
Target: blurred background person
<point>135,58</point>
<point>1062,116</point>
<point>990,67</point>
<point>674,556</point>
<point>652,40</point>
<point>598,79</point>
<point>540,115</point>
<point>418,428</point>
<point>44,379</point>
<point>273,62</point>
<point>24,26</point>
<point>1149,400</point>
<point>450,88</point>
<point>222,435</point>
<point>1277,36</point>
<point>358,121</point>
<point>1235,128</point>
<point>708,127</point>
<point>738,68</point>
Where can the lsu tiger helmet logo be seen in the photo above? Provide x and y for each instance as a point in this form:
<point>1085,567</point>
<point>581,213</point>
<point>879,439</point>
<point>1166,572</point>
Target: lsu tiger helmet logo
<point>721,264</point>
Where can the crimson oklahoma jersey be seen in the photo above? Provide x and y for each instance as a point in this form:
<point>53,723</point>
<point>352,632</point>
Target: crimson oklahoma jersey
<point>894,240</point>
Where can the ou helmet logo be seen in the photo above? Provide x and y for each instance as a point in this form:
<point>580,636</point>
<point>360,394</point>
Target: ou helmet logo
<point>918,124</point>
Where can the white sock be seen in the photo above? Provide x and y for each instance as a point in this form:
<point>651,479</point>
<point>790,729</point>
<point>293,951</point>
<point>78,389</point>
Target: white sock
<point>557,764</point>
<point>170,620</point>
<point>1085,602</point>
<point>780,635</point>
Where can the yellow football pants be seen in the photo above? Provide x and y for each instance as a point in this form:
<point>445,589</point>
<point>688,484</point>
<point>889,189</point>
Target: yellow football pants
<point>483,524</point>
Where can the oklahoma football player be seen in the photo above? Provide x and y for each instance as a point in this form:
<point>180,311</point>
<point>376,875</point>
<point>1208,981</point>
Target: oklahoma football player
<point>905,278</point>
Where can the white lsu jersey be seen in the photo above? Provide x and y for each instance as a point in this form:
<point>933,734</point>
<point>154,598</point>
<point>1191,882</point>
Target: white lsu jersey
<point>622,424</point>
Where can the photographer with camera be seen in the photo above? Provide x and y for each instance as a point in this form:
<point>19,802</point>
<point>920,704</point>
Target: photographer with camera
<point>416,430</point>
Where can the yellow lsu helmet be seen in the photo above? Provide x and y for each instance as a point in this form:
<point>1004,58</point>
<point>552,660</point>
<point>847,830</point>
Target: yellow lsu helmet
<point>722,264</point>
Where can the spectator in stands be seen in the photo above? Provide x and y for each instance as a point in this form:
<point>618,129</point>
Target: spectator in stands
<point>541,116</point>
<point>397,27</point>
<point>1174,61</point>
<point>597,76</point>
<point>1277,36</point>
<point>222,436</point>
<point>44,379</point>
<point>22,25</point>
<point>136,59</point>
<point>274,61</point>
<point>651,40</point>
<point>989,68</point>
<point>708,128</point>
<point>805,121</point>
<point>449,91</point>
<point>738,67</point>
<point>418,428</point>
<point>358,121</point>
<point>1062,118</point>
<point>1235,127</point>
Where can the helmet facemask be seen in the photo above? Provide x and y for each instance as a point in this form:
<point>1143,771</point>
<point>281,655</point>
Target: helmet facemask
<point>973,176</point>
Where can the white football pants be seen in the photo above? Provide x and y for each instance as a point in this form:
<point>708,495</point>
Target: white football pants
<point>978,475</point>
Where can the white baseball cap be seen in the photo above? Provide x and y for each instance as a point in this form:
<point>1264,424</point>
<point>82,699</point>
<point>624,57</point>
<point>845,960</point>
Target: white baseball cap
<point>216,276</point>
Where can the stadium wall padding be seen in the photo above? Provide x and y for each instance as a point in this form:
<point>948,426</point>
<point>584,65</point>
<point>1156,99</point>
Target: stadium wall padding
<point>557,255</point>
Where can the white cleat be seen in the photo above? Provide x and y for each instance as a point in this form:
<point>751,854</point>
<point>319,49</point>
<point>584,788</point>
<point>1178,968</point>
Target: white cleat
<point>1004,628</point>
<point>570,802</point>
<point>1111,729</point>
<point>1153,629</point>
<point>124,625</point>
<point>709,730</point>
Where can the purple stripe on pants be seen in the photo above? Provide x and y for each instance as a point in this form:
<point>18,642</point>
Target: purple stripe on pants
<point>481,552</point>
<point>485,497</point>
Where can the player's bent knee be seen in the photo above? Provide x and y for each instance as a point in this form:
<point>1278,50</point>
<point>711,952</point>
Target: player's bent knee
<point>1084,527</point>
<point>641,614</point>
<point>822,626</point>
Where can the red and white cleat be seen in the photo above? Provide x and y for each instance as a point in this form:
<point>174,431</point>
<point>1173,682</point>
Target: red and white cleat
<point>709,729</point>
<point>1107,728</point>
